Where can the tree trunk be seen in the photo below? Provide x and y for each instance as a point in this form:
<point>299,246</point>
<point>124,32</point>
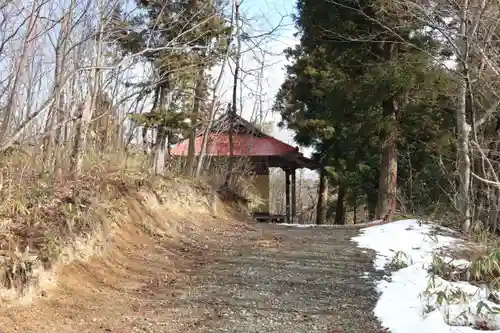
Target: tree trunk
<point>230,162</point>
<point>80,143</point>
<point>355,204</point>
<point>339,210</point>
<point>58,139</point>
<point>144,135</point>
<point>386,201</point>
<point>463,128</point>
<point>159,150</point>
<point>48,142</point>
<point>55,114</point>
<point>322,194</point>
<point>372,210</point>
<point>194,119</point>
<point>410,186</point>
<point>233,111</point>
<point>161,138</point>
<point>371,203</point>
<point>213,106</point>
<point>14,81</point>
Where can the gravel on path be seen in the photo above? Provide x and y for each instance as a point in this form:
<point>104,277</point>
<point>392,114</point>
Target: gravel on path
<point>314,281</point>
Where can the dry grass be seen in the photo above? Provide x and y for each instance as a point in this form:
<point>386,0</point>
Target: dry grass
<point>241,191</point>
<point>48,221</point>
<point>481,249</point>
<point>139,272</point>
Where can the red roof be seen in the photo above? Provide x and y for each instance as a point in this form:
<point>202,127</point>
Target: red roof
<point>243,145</point>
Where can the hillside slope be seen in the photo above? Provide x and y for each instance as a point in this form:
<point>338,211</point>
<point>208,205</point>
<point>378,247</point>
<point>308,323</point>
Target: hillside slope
<point>146,238</point>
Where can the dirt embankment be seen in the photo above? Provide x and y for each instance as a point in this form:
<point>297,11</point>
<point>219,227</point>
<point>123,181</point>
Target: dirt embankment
<point>109,257</point>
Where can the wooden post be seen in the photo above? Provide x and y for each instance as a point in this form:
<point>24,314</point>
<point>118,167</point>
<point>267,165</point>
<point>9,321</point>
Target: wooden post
<point>320,208</point>
<point>261,184</point>
<point>294,196</point>
<point>340,209</point>
<point>287,194</point>
<point>300,218</point>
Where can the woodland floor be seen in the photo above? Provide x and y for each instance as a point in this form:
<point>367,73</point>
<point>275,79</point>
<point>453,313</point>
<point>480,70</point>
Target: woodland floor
<point>262,278</point>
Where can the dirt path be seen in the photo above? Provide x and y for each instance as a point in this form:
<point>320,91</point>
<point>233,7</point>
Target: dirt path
<point>313,282</point>
<point>271,279</point>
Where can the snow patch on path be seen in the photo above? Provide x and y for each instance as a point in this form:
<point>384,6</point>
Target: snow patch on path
<point>411,301</point>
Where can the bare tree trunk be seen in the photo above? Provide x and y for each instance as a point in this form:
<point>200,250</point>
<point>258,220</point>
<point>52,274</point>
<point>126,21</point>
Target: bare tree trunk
<point>339,210</point>
<point>10,107</point>
<point>261,93</point>
<point>233,111</point>
<point>463,128</point>
<point>258,105</point>
<point>372,210</point>
<point>194,119</point>
<point>161,135</point>
<point>159,150</point>
<point>55,111</point>
<point>208,128</point>
<point>144,135</point>
<point>355,204</point>
<point>58,142</point>
<point>322,193</point>
<point>71,96</point>
<point>386,202</point>
<point>80,143</point>
<point>146,127</point>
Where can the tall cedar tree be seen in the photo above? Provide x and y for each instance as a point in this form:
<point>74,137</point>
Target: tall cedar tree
<point>352,77</point>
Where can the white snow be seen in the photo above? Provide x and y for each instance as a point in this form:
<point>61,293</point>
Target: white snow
<point>411,301</point>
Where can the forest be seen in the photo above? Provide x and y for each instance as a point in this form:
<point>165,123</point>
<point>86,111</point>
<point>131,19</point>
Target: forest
<point>105,227</point>
<point>398,100</point>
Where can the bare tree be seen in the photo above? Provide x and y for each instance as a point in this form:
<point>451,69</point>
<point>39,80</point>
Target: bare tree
<point>233,108</point>
<point>87,110</point>
<point>55,110</point>
<point>19,65</point>
<point>467,30</point>
<point>215,96</point>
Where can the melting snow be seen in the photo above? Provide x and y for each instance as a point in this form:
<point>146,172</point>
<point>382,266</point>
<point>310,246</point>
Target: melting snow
<point>410,300</point>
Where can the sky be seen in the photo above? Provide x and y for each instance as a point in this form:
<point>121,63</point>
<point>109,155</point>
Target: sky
<point>263,16</point>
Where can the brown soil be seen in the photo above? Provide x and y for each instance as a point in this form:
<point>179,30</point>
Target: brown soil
<point>227,277</point>
<point>115,293</point>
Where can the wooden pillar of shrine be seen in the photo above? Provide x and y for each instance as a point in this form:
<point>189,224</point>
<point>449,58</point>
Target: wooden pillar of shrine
<point>322,197</point>
<point>287,195</point>
<point>294,196</point>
